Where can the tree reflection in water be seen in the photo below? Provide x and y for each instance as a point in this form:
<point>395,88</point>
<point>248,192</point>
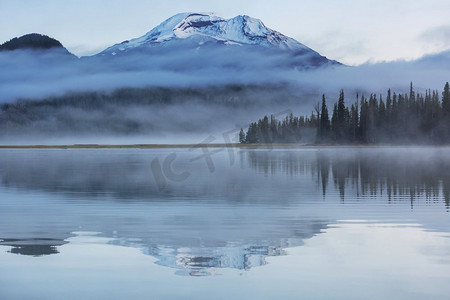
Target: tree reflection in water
<point>396,173</point>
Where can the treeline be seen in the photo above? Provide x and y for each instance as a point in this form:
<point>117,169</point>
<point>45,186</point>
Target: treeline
<point>149,111</point>
<point>399,119</point>
<point>270,130</point>
<point>27,112</point>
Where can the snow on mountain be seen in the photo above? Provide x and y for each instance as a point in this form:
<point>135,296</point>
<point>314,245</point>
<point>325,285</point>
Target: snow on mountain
<point>201,29</point>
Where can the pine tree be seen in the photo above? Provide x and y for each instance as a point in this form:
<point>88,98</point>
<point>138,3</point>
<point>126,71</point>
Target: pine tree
<point>252,134</point>
<point>363,120</point>
<point>274,129</point>
<point>446,99</point>
<point>334,123</point>
<point>353,124</point>
<point>445,122</point>
<point>324,123</point>
<point>412,94</point>
<point>342,119</point>
<point>264,130</point>
<point>241,136</point>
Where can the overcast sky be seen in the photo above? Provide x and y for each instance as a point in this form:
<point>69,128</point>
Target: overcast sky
<point>350,31</point>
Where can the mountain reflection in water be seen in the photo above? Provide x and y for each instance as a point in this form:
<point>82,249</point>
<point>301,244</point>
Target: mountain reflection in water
<point>33,247</point>
<point>234,217</point>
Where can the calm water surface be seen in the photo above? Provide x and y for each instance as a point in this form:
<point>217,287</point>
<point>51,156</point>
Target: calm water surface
<point>332,223</point>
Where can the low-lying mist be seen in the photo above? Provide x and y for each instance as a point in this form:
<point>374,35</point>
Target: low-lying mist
<point>176,96</point>
<point>150,115</point>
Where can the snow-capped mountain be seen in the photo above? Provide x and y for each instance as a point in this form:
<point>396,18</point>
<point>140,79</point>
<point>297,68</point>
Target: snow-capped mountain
<point>196,31</point>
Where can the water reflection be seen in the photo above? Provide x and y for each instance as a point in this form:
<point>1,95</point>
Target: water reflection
<point>349,260</point>
<point>202,252</point>
<point>397,173</point>
<point>207,261</point>
<point>225,219</point>
<point>191,252</point>
<point>33,247</point>
<point>234,217</point>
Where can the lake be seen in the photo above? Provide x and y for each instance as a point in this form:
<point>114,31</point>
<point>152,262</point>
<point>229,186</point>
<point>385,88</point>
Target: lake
<point>222,223</point>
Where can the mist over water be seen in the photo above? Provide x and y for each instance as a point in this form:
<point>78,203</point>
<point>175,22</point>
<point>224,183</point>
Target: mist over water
<point>237,213</point>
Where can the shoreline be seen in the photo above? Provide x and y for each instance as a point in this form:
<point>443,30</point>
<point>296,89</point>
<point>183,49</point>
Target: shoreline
<point>188,146</point>
<point>152,146</point>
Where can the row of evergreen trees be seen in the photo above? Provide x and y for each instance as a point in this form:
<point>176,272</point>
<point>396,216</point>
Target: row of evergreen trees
<point>400,119</point>
<point>270,130</point>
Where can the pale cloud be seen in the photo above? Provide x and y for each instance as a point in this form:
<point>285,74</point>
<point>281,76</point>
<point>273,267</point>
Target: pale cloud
<point>437,37</point>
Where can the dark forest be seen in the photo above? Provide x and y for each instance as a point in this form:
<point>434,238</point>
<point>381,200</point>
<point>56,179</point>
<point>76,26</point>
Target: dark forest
<point>409,118</point>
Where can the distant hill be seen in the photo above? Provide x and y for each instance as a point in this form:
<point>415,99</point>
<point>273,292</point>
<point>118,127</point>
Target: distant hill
<point>33,41</point>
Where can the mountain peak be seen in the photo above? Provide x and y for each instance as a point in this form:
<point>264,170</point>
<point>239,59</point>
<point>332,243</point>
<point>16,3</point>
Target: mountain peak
<point>208,32</point>
<point>240,30</point>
